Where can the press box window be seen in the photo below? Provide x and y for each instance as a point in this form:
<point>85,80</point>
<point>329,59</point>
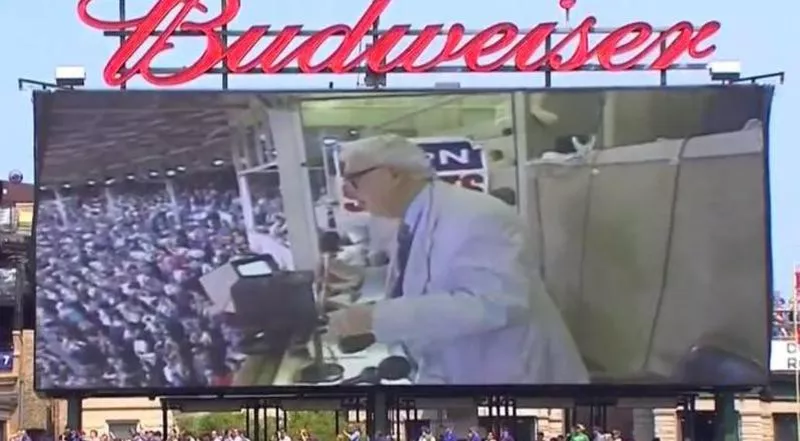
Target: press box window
<point>7,220</point>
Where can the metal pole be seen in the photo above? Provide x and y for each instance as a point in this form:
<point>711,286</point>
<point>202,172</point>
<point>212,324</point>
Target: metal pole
<point>247,421</point>
<point>122,14</point>
<point>164,419</point>
<point>796,337</point>
<point>256,436</point>
<point>548,73</point>
<point>336,429</point>
<point>224,5</point>
<point>662,74</point>
<point>19,329</point>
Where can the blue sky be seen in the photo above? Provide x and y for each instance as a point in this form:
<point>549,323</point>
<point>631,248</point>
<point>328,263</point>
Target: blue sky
<point>49,34</point>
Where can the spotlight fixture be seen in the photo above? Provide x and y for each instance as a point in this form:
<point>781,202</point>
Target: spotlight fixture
<point>70,76</point>
<point>725,70</point>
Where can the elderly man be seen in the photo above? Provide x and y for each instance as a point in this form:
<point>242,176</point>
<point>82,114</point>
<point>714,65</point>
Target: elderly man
<point>464,300</point>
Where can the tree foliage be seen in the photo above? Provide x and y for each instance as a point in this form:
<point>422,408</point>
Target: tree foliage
<point>321,424</point>
<point>198,424</point>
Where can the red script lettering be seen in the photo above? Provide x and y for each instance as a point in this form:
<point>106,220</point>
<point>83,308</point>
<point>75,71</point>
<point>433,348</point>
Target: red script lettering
<point>504,42</point>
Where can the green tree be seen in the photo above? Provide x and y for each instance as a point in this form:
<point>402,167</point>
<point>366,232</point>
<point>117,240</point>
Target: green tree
<point>321,424</point>
<point>199,424</point>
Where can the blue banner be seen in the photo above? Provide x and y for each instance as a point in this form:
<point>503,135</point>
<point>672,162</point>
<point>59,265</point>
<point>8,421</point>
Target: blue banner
<point>6,361</point>
<point>453,156</point>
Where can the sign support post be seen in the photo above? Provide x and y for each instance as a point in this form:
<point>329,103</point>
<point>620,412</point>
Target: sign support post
<point>796,336</point>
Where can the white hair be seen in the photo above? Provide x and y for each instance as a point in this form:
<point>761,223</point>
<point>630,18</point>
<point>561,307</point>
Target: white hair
<point>385,150</point>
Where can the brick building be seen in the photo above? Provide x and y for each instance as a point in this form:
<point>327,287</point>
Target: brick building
<point>19,406</point>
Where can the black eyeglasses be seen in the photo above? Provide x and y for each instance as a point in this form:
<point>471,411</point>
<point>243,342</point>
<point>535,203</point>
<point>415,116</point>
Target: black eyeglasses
<point>352,178</point>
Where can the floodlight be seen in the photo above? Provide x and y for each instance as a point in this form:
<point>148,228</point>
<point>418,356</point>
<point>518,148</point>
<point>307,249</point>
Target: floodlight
<point>725,70</point>
<point>70,76</point>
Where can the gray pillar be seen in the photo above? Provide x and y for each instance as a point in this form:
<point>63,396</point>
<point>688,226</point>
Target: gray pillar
<point>75,413</point>
<point>286,127</point>
<point>164,419</point>
<point>381,415</point>
<point>644,424</point>
<point>726,419</point>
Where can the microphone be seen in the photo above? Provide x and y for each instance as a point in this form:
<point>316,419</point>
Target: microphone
<point>328,246</point>
<point>319,371</point>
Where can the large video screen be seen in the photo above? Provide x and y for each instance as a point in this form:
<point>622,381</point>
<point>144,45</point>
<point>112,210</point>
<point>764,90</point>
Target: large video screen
<point>221,240</point>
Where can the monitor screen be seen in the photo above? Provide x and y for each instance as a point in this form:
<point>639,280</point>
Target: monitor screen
<point>589,236</point>
<point>254,269</point>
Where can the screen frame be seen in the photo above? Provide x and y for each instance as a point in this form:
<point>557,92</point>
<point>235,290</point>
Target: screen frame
<point>42,102</point>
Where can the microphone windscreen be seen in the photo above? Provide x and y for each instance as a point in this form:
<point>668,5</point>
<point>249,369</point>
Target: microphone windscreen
<point>329,242</point>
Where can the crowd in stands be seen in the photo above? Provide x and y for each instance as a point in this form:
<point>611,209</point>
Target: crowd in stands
<point>784,320</point>
<point>119,303</point>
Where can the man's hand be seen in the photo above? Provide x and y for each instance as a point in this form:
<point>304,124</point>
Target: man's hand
<point>354,320</point>
<point>342,277</point>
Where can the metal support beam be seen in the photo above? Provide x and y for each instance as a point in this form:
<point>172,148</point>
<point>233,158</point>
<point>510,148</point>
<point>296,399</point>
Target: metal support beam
<point>75,413</point>
<point>247,424</point>
<point>726,421</point>
<point>23,83</point>
<point>256,435</point>
<point>754,79</point>
<point>164,419</point>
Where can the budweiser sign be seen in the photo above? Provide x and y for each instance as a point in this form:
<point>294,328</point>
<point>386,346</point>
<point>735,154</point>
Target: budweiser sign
<point>396,49</point>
